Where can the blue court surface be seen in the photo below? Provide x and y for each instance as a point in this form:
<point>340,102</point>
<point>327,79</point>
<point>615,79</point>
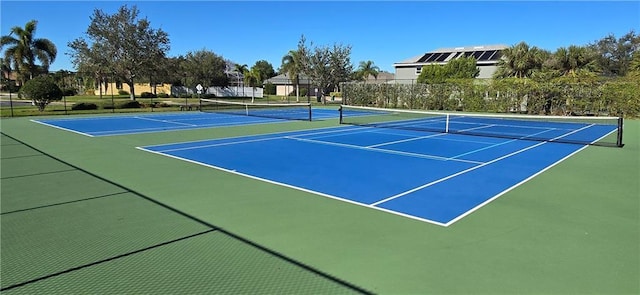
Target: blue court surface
<point>428,176</point>
<point>144,123</point>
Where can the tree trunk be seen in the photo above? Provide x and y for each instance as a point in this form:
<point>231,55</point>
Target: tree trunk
<point>131,91</point>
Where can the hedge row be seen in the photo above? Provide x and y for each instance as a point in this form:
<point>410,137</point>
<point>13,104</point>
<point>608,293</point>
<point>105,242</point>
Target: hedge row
<point>134,104</point>
<point>600,98</point>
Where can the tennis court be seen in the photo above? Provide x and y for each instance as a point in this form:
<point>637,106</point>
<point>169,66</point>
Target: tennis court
<point>231,114</point>
<point>435,177</point>
<point>314,207</point>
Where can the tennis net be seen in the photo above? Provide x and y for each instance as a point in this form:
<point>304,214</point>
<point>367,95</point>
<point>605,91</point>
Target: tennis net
<point>606,131</point>
<point>287,111</point>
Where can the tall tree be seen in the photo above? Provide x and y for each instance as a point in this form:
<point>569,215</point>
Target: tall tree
<point>366,69</point>
<point>253,78</point>
<point>240,69</point>
<point>264,68</point>
<point>121,45</point>
<point>340,65</point>
<point>291,66</point>
<point>326,66</point>
<point>206,68</point>
<point>615,54</point>
<point>520,61</point>
<point>24,49</point>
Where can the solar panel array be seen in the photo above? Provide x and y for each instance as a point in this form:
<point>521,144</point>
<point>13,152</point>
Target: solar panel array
<point>479,55</point>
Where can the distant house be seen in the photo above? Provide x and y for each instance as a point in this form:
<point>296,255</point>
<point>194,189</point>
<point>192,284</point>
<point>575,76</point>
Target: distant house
<point>139,88</point>
<point>284,85</point>
<point>487,57</point>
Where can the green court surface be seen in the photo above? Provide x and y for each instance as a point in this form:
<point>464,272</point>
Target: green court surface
<point>96,215</point>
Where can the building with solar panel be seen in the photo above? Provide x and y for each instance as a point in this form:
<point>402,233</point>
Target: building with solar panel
<point>487,58</point>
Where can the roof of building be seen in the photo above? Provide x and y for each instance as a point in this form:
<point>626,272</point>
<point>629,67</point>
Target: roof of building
<point>283,79</point>
<point>483,54</point>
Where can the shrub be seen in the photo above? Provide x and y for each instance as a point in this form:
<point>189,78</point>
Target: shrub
<point>123,92</point>
<point>269,89</point>
<point>69,92</point>
<point>84,106</point>
<point>147,95</point>
<point>41,90</point>
<point>132,104</point>
<point>163,95</point>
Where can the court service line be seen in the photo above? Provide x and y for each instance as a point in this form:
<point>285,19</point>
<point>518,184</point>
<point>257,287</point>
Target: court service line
<point>423,137</point>
<point>498,144</point>
<point>404,140</point>
<point>165,121</point>
<point>474,168</point>
<point>415,155</point>
<point>454,175</point>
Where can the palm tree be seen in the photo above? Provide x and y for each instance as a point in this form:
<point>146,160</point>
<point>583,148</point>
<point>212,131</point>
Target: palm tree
<point>366,69</point>
<point>252,77</point>
<point>520,61</point>
<point>575,60</point>
<point>240,69</point>
<point>291,66</point>
<point>24,49</point>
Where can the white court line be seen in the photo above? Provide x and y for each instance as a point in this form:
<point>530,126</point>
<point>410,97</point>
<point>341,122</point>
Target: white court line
<point>423,137</point>
<point>62,128</point>
<point>512,125</point>
<point>454,175</point>
<point>177,128</point>
<point>220,144</point>
<point>371,206</point>
<point>498,144</point>
<point>528,178</point>
<point>405,140</point>
<point>165,121</point>
<point>283,136</point>
<point>423,156</point>
<point>295,187</point>
<point>511,188</point>
<point>471,169</point>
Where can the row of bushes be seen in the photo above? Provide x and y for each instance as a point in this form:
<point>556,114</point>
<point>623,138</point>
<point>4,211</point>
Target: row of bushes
<point>596,97</point>
<point>133,104</point>
<point>151,95</point>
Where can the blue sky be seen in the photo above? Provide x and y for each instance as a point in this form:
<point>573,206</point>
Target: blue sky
<point>382,31</point>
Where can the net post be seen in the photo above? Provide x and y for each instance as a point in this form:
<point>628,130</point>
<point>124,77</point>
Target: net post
<point>340,111</point>
<point>619,139</point>
<point>310,116</point>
